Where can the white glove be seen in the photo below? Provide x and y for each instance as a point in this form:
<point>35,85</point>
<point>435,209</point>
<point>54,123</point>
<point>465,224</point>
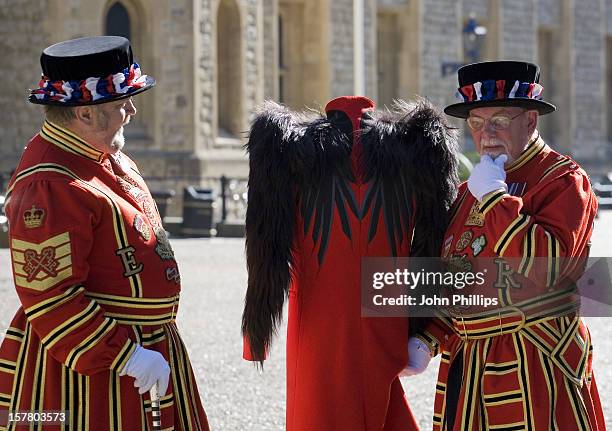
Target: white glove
<point>488,176</point>
<point>148,367</point>
<point>419,356</point>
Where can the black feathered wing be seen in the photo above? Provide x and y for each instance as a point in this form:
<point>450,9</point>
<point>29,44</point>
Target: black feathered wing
<point>294,159</point>
<point>410,166</point>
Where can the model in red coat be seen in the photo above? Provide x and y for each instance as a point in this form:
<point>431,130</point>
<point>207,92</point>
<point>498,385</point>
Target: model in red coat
<point>325,191</point>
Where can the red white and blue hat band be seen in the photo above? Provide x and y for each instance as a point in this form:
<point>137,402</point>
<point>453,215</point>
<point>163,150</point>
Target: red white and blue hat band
<point>91,90</point>
<point>492,89</point>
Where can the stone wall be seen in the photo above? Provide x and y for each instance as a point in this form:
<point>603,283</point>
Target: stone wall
<point>253,73</point>
<point>518,30</point>
<point>369,17</point>
<point>392,3</point>
<point>440,44</point>
<point>270,48</point>
<point>173,44</point>
<point>22,39</point>
<point>480,8</point>
<point>549,13</point>
<point>205,68</point>
<point>341,48</point>
<point>588,78</point>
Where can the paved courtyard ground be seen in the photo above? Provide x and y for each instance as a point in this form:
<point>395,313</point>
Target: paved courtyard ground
<point>235,395</point>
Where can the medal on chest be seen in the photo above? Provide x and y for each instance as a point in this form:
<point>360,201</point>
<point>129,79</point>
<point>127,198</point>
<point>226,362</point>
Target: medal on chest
<point>142,227</point>
<point>478,245</point>
<point>464,240</point>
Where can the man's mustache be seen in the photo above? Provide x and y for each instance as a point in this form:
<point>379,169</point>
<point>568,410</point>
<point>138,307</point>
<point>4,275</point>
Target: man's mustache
<point>492,142</point>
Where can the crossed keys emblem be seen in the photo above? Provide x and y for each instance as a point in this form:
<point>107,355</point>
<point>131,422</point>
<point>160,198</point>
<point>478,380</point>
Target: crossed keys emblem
<point>45,261</point>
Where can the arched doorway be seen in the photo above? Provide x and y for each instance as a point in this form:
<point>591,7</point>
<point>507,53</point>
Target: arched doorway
<point>118,21</point>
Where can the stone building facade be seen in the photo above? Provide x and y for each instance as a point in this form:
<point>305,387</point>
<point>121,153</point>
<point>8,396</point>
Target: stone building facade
<point>216,60</point>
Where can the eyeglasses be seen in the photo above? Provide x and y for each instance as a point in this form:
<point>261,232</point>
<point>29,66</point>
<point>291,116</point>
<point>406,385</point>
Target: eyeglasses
<point>497,121</point>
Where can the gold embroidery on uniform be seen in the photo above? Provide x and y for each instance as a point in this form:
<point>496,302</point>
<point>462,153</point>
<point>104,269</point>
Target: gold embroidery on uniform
<point>475,218</point>
<point>163,247</point>
<point>40,266</point>
<point>33,217</point>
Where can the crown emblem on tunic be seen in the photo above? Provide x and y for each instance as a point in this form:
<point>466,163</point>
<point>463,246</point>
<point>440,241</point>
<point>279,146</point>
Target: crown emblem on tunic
<point>33,217</point>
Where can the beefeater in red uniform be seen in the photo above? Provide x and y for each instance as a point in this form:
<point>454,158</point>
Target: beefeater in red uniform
<point>325,191</point>
<point>524,364</point>
<point>93,268</point>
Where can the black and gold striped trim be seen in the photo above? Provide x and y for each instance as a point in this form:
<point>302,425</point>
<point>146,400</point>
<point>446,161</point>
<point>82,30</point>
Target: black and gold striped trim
<point>38,389</point>
<point>100,332</point>
<point>7,366</point>
<point>18,381</point>
<point>551,384</point>
<point>154,337</point>
<point>490,200</point>
<point>552,273</point>
<point>534,148</point>
<point>554,167</point>
<point>70,325</point>
<point>178,382</point>
<point>15,334</point>
<point>524,382</point>
<point>126,301</point>
<point>517,426</point>
<point>68,141</point>
<point>49,304</point>
<point>529,251</point>
<point>503,398</point>
<point>114,402</point>
<point>511,231</point>
<point>123,356</point>
<point>582,420</point>
<point>472,387</point>
<point>484,416</point>
<point>130,319</point>
<point>501,368</point>
<point>189,378</point>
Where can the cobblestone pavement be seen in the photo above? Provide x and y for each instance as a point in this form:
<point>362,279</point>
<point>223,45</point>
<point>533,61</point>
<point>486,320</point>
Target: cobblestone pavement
<point>238,397</point>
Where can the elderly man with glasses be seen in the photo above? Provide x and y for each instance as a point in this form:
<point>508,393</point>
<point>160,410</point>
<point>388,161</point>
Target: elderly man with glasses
<point>524,219</point>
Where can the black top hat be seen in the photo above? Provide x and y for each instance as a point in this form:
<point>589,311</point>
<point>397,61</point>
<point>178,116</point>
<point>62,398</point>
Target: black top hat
<point>499,83</point>
<point>87,71</point>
